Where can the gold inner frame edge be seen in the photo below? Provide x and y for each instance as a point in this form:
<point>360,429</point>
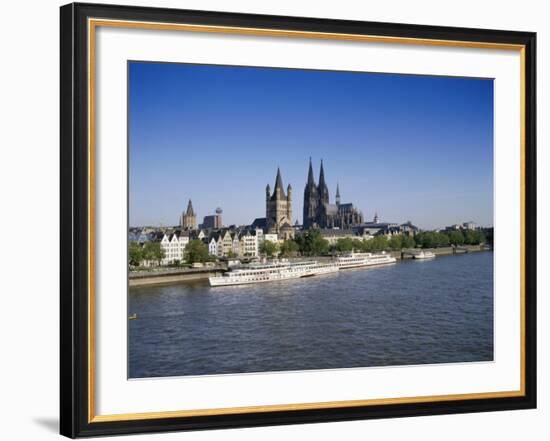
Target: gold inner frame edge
<point>92,24</point>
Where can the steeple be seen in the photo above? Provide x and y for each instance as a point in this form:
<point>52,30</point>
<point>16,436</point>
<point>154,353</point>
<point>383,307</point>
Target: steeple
<point>278,205</point>
<point>323,189</point>
<point>337,194</point>
<point>190,211</point>
<point>188,219</point>
<point>278,191</point>
<point>310,178</point>
<point>322,175</point>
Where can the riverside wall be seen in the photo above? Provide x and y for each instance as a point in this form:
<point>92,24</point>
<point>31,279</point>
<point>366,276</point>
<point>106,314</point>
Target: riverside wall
<point>148,278</point>
<point>443,251</point>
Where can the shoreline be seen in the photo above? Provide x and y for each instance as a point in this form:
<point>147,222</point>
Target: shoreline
<point>172,277</point>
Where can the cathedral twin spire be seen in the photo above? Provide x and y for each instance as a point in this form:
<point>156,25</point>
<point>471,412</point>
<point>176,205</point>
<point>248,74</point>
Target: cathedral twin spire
<point>311,179</point>
<point>323,188</point>
<point>314,195</point>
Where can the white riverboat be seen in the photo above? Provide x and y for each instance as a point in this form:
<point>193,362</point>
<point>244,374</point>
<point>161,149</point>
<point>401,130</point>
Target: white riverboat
<point>424,254</point>
<point>269,272</point>
<point>356,260</point>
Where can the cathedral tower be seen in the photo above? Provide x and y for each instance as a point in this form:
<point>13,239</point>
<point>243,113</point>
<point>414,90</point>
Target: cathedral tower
<point>319,212</point>
<point>310,199</point>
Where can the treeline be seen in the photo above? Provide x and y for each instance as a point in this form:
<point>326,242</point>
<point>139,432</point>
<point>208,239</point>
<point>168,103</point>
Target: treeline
<point>195,251</point>
<point>149,251</point>
<point>433,239</point>
<point>312,243</point>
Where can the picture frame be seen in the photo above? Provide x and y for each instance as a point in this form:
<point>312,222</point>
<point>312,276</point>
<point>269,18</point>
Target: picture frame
<point>79,201</point>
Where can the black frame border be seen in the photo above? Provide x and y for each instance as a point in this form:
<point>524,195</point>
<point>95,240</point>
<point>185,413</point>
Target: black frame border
<point>74,219</point>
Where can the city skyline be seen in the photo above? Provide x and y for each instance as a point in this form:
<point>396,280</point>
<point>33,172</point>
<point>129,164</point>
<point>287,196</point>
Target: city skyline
<point>406,147</point>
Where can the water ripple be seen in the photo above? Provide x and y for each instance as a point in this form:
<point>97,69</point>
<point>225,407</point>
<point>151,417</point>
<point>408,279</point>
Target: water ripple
<point>439,311</point>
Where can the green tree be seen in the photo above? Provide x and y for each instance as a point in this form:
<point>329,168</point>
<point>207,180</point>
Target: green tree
<point>359,245</point>
<point>319,245</point>
<point>312,243</point>
<point>430,240</point>
<point>289,248</point>
<point>474,237</point>
<point>378,243</point>
<point>135,254</point>
<point>456,237</point>
<point>344,245</point>
<point>153,252</point>
<point>481,239</point>
<point>396,242</point>
<point>441,239</point>
<point>368,246</point>
<point>196,251</point>
<point>419,239</point>
<point>408,241</point>
<point>269,248</point>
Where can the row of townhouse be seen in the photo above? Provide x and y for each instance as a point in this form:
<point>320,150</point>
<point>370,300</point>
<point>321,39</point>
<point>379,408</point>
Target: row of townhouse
<point>241,243</point>
<point>174,245</point>
<point>222,243</point>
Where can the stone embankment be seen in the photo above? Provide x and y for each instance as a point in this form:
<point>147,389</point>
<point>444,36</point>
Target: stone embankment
<point>172,275</point>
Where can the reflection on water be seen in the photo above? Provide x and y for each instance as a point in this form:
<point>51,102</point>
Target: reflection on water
<point>413,312</point>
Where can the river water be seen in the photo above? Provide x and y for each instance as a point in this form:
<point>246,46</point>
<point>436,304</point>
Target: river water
<point>411,312</point>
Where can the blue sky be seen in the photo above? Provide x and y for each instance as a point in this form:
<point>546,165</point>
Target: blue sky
<point>416,148</point>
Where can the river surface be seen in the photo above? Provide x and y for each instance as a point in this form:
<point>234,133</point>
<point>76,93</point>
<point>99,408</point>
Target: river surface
<point>411,312</point>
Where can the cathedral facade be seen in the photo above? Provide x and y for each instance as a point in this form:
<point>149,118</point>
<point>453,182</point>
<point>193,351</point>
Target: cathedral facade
<point>319,212</point>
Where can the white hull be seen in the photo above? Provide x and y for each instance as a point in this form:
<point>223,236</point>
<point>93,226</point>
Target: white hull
<point>424,256</point>
<point>360,260</point>
<point>361,265</point>
<point>272,273</point>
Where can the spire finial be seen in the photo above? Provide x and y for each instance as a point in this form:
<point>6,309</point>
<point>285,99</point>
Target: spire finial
<point>279,182</point>
<point>310,178</point>
<point>322,175</point>
<point>190,211</point>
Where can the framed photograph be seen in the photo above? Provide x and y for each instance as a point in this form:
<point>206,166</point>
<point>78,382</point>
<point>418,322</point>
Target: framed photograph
<point>273,220</point>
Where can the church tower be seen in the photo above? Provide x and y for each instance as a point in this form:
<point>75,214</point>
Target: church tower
<point>189,218</point>
<point>337,194</point>
<point>278,205</point>
<point>310,199</point>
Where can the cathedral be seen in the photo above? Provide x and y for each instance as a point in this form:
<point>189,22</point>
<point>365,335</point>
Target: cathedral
<point>319,212</point>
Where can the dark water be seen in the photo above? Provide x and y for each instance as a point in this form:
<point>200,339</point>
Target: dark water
<point>413,312</point>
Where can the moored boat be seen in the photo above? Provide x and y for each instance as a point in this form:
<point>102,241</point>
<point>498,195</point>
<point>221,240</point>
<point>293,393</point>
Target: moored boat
<point>424,254</point>
<point>356,260</point>
<point>270,272</point>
